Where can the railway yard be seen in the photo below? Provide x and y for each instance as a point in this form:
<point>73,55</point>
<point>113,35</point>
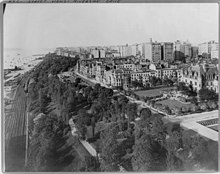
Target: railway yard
<point>15,132</point>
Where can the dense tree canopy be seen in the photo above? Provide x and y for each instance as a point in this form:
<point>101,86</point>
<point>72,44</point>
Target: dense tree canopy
<point>207,94</point>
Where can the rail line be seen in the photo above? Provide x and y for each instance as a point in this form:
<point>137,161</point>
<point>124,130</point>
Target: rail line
<point>15,121</point>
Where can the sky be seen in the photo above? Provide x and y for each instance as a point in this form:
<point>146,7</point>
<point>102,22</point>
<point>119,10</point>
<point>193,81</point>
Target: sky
<point>38,26</point>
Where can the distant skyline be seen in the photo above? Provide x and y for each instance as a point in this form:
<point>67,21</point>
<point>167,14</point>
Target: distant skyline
<point>39,26</point>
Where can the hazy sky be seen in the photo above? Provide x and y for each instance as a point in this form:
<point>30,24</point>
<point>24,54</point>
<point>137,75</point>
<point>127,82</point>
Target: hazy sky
<point>39,26</point>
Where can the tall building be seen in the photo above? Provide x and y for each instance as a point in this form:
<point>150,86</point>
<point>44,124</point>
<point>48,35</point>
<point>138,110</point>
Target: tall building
<point>140,49</point>
<point>152,51</point>
<point>167,51</point>
<point>147,50</point>
<point>194,51</point>
<point>187,49</point>
<point>101,53</point>
<point>182,50</point>
<point>156,52</point>
<point>124,50</point>
<point>178,50</point>
<point>95,53</point>
<point>132,50</point>
<point>208,47</point>
<point>215,51</point>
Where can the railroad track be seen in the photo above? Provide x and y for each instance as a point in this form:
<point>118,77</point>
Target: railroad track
<point>15,133</point>
<point>15,121</point>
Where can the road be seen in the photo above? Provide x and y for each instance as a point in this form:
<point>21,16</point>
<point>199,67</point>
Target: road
<point>15,133</point>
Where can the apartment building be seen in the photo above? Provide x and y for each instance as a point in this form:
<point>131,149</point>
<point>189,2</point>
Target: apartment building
<point>95,53</point>
<point>116,78</point>
<point>164,72</point>
<point>101,53</point>
<point>132,50</point>
<point>152,51</point>
<point>209,48</point>
<point>123,50</point>
<point>140,49</point>
<point>143,75</point>
<point>187,49</point>
<point>215,51</point>
<point>195,51</point>
<point>167,51</point>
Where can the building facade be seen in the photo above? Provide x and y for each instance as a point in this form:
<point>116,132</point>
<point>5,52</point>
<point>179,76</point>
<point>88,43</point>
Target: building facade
<point>182,50</point>
<point>167,51</point>
<point>195,51</point>
<point>152,51</point>
<point>209,48</point>
<point>200,76</point>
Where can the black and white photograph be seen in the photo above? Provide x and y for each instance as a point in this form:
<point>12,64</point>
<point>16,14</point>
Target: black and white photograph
<point>110,87</point>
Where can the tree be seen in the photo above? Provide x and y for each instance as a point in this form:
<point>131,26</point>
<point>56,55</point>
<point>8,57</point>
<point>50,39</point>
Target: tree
<point>177,111</point>
<point>153,80</point>
<point>207,94</point>
<point>194,108</point>
<point>184,109</point>
<point>45,142</point>
<point>135,83</point>
<point>109,149</point>
<point>142,157</point>
<point>122,99</point>
<point>182,87</point>
<point>203,106</point>
<point>211,104</point>
<point>145,113</point>
<point>82,120</point>
<point>92,165</point>
<point>156,128</point>
<point>152,103</point>
<point>158,82</point>
<point>194,100</point>
<point>148,154</point>
<point>167,110</point>
<point>194,153</point>
<point>173,145</point>
<point>109,92</point>
<point>131,111</point>
<point>43,100</point>
<point>87,91</point>
<point>97,88</point>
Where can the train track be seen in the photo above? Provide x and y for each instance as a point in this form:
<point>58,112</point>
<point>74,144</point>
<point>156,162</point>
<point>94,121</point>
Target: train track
<point>15,133</point>
<point>15,121</point>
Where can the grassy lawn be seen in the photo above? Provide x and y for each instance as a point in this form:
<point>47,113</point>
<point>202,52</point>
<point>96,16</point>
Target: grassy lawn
<point>173,103</point>
<point>153,92</point>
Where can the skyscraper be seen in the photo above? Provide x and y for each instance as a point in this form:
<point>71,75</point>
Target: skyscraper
<point>194,51</point>
<point>152,51</point>
<point>182,50</point>
<point>207,47</point>
<point>167,51</point>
